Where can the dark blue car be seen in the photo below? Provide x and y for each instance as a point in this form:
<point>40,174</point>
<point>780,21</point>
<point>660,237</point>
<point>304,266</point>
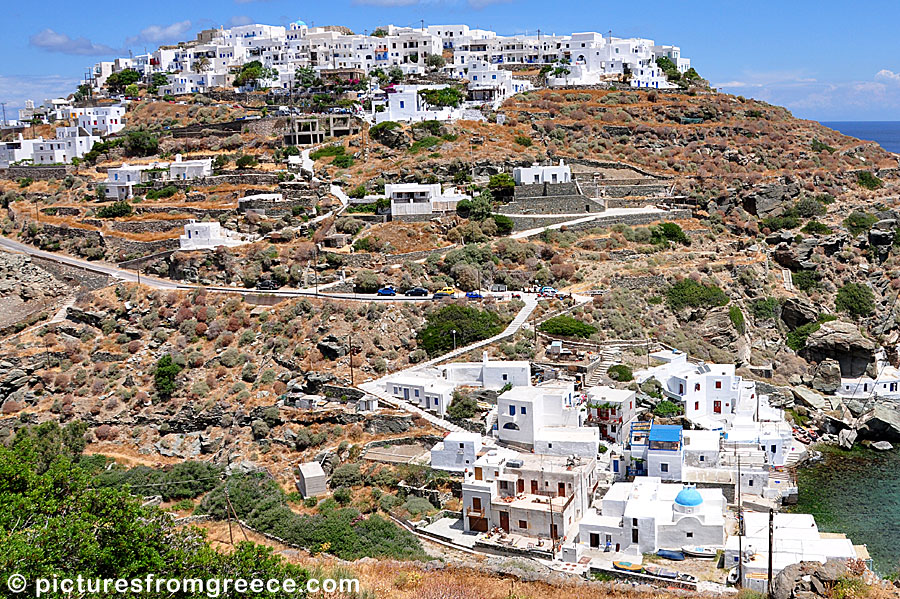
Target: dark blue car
<point>386,291</point>
<point>474,295</point>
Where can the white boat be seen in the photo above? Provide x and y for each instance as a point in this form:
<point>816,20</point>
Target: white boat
<point>699,552</point>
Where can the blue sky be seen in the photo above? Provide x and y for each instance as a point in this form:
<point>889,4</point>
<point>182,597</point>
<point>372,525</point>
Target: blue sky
<point>824,59</point>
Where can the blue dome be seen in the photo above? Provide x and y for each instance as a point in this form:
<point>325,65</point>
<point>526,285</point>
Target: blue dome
<point>689,496</point>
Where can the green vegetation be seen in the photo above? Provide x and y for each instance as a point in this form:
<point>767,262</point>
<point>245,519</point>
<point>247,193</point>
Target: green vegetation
<point>737,319</point>
<point>859,222</point>
<point>502,186</point>
<point>246,161</point>
<point>253,74</point>
<point>425,143</point>
<point>667,409</point>
<point>164,376</point>
<point>808,207</point>
<point>140,143</point>
<point>855,299</point>
<point>868,180</point>
<point>115,210</point>
<point>326,151</point>
<point>567,326</point>
<point>777,223</point>
<point>523,141</point>
<point>117,82</point>
<point>690,293</point>
<point>796,339</point>
<point>102,147</point>
<point>166,192</point>
<point>620,372</point>
<point>805,280</point>
<point>819,146</point>
<point>446,96</point>
<point>470,324</point>
<point>376,131</point>
<point>669,68</point>
<point>663,233</point>
<point>504,224</point>
<point>343,161</point>
<point>765,308</point>
<point>814,227</point>
<point>462,406</point>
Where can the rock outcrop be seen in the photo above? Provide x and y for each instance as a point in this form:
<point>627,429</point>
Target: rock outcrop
<point>841,341</point>
<point>882,423</point>
<point>808,580</point>
<point>827,377</point>
<point>796,311</point>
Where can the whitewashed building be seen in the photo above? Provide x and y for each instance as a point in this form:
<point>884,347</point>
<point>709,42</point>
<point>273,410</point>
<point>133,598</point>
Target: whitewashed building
<point>489,374</point>
<point>101,120</point>
<point>457,452</point>
<point>421,200</point>
<point>182,170</point>
<point>70,142</point>
<point>647,515</point>
<point>209,235</point>
<point>428,392</point>
<point>612,410</point>
<point>538,174</point>
<point>405,104</point>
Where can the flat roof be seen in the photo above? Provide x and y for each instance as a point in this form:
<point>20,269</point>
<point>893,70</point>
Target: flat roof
<point>609,394</point>
<point>569,433</point>
<point>310,469</point>
<point>665,432</point>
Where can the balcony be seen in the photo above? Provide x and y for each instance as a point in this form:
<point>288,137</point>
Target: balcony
<point>477,513</point>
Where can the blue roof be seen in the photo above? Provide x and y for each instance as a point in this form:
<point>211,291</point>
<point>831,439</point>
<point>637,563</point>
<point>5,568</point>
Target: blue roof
<point>689,496</point>
<point>665,432</point>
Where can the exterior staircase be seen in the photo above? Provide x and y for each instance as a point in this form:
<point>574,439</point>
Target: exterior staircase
<point>608,357</point>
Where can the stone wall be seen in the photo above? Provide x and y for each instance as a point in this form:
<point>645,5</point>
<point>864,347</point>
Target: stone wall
<point>524,222</point>
<point>575,204</point>
<point>546,190</point>
<point>72,233</point>
<point>639,282</point>
<point>128,247</point>
<point>38,173</point>
<point>197,212</point>
<point>369,260</point>
<point>144,260</point>
<point>148,226</point>
<point>262,179</point>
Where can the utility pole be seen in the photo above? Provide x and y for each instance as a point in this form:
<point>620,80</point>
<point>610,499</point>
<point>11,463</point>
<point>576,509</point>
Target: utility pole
<point>3,104</point>
<point>769,589</point>
<point>350,354</point>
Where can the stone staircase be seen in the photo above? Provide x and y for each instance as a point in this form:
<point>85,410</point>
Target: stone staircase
<point>608,357</point>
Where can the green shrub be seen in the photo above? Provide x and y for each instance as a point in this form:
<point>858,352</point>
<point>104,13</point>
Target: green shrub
<point>805,280</point>
<point>819,146</point>
<point>855,299</point>
<point>470,324</point>
<point>166,192</point>
<point>667,409</point>
<point>504,224</point>
<point>347,475</point>
<point>737,319</point>
<point>246,161</point>
<point>777,223</point>
<point>462,406</point>
<point>814,227</point>
<point>418,505</point>
<point>665,232</point>
<point>796,339</point>
<point>808,207</point>
<point>326,151</point>
<point>140,143</point>
<point>690,293</point>
<point>343,161</point>
<point>868,180</point>
<point>859,222</point>
<point>164,376</point>
<point>115,210</point>
<point>424,144</point>
<point>523,141</point>
<point>620,372</point>
<point>567,326</point>
<point>765,308</point>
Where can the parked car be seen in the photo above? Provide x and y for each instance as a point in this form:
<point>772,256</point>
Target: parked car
<point>441,295</point>
<point>267,285</point>
<point>387,291</point>
<point>416,292</point>
<point>474,295</point>
<point>447,291</point>
<point>548,291</point>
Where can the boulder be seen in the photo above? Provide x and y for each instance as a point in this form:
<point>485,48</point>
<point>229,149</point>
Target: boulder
<point>882,423</point>
<point>771,200</point>
<point>331,347</point>
<point>716,329</point>
<point>882,446</point>
<point>807,579</point>
<point>796,311</point>
<point>841,341</point>
<point>827,377</point>
<point>810,398</point>
<point>846,438</point>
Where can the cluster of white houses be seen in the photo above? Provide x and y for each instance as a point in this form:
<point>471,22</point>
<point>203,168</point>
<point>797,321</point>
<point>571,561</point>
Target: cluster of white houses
<point>211,59</point>
<point>121,181</point>
<point>657,486</point>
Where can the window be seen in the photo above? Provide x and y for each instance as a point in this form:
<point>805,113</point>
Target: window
<point>663,467</point>
<point>718,384</point>
<point>416,392</point>
<point>696,386</point>
<point>461,445</point>
<point>402,104</point>
<point>696,405</point>
<point>505,376</point>
<point>774,449</point>
<point>703,458</point>
<point>523,523</point>
<point>522,410</point>
<point>512,410</point>
<point>689,535</point>
<point>750,484</point>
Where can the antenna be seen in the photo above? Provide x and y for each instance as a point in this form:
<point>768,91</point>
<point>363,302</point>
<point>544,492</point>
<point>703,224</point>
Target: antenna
<point>3,104</point>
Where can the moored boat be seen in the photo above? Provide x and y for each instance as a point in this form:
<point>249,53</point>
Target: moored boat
<point>699,552</point>
<point>627,566</point>
<point>675,556</point>
<point>654,570</point>
<point>685,577</point>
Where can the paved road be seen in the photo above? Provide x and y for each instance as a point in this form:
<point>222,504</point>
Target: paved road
<point>578,219</point>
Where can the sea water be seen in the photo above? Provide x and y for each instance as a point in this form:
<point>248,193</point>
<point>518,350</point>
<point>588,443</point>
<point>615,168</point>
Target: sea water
<point>885,133</point>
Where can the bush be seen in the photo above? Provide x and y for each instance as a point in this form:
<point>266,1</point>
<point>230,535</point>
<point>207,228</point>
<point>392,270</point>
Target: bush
<point>504,224</point>
<point>524,141</point>
<point>689,293</point>
<point>470,324</point>
<point>141,143</point>
<point>665,232</point>
<point>246,161</point>
<point>342,495</point>
<point>115,210</point>
<point>814,227</point>
<point>765,308</point>
<point>347,475</point>
<point>859,222</point>
<point>343,161</point>
<point>567,326</point>
<point>331,150</point>
<point>855,299</point>
<point>737,319</point>
<point>819,146</point>
<point>869,181</point>
<point>805,280</point>
<point>462,406</point>
<point>808,207</point>
<point>667,409</point>
<point>417,505</point>
<point>796,339</point>
<point>366,281</point>
<point>166,192</point>
<point>164,376</point>
<point>777,223</point>
<point>620,372</point>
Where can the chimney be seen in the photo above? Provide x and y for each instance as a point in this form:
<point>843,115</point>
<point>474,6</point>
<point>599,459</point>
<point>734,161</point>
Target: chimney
<point>177,157</point>
<point>484,356</point>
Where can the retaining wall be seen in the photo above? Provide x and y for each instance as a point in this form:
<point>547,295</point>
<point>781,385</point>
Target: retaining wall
<point>38,173</point>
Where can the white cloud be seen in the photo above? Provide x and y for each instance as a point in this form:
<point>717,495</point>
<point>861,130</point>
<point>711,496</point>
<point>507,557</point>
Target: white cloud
<point>238,20</point>
<point>887,75</point>
<point>161,33</point>
<point>53,41</point>
<point>16,89</point>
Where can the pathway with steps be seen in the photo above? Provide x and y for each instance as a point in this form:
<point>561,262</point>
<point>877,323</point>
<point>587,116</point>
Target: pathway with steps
<point>787,279</point>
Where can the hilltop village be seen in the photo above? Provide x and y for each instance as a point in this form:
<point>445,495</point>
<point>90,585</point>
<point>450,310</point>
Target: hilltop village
<point>537,305</point>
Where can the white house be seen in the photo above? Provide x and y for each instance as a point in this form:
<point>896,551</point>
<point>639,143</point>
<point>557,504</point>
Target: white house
<point>103,120</point>
<point>796,538</point>
<point>412,200</point>
<point>120,181</point>
<point>536,173</point>
<point>181,170</point>
<point>457,452</point>
<point>311,479</point>
<point>70,142</point>
<point>405,104</point>
<point>546,419</point>
<point>531,495</point>
<point>209,235</point>
<point>17,151</point>
<point>612,410</point>
<point>493,375</point>
<point>428,392</point>
<point>647,515</point>
<point>487,83</point>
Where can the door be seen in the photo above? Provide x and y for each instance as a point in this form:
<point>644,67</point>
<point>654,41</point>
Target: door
<point>554,533</point>
<point>520,486</point>
<point>504,521</point>
<point>478,475</point>
<point>717,407</point>
<point>634,535</point>
<point>476,503</point>
<point>595,539</point>
<point>561,489</point>
<point>534,488</point>
<point>406,394</point>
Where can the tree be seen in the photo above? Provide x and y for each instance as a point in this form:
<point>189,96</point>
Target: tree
<point>366,281</point>
<point>690,293</point>
<point>164,376</point>
<point>502,185</point>
<point>669,68</point>
<point>620,372</point>
<point>567,326</point>
<point>470,324</point>
<point>117,82</point>
<point>115,210</point>
<point>157,80</point>
<point>84,92</point>
<point>306,77</point>
<point>141,143</point>
<point>132,91</point>
<point>246,161</point>
<point>435,61</point>
<point>443,97</point>
<point>477,209</point>
<point>395,74</point>
<point>201,64</point>
<point>462,406</point>
<point>665,232</point>
<point>855,299</point>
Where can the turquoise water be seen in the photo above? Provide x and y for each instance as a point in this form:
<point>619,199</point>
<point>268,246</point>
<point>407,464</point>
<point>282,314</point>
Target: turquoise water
<point>857,493</point>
